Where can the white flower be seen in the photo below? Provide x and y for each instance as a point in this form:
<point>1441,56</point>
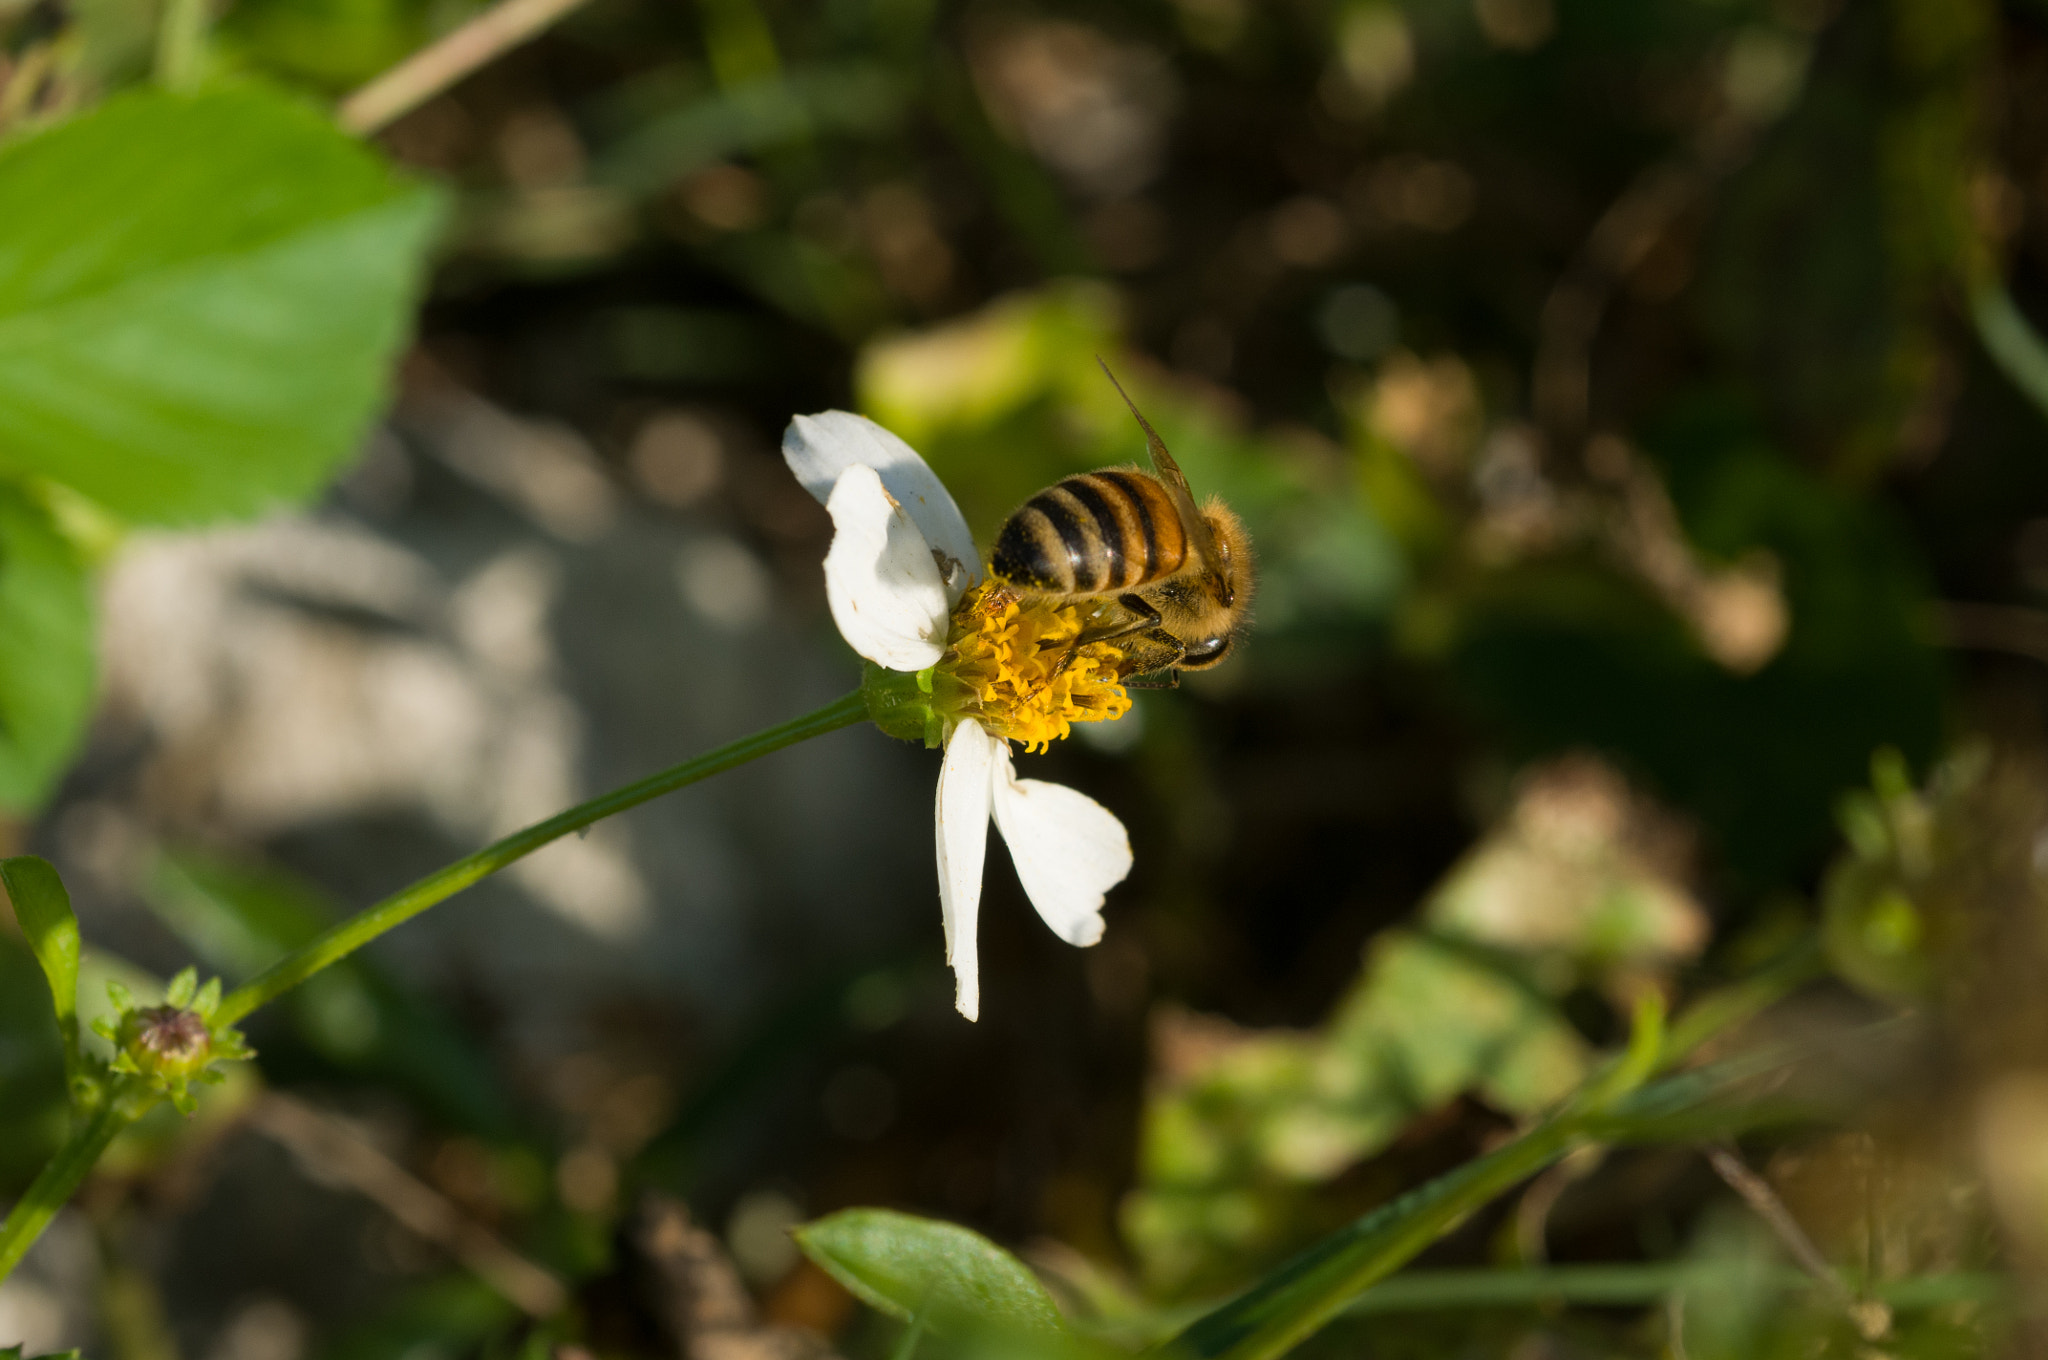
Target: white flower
<point>901,558</point>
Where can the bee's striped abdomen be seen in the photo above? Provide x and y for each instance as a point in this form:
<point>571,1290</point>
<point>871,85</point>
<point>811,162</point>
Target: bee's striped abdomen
<point>1100,531</point>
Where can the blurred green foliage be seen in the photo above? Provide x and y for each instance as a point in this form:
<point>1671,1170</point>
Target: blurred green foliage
<point>1247,1131</point>
<point>32,1120</point>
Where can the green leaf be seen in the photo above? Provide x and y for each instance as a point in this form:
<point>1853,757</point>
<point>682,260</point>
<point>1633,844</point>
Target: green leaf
<point>919,1269</point>
<point>46,649</point>
<point>43,909</point>
<point>197,315</point>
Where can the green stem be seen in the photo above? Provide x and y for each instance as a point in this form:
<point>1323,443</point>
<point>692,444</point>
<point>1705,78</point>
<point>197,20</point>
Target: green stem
<point>181,43</point>
<point>59,1180</point>
<point>350,935</point>
<point>1293,1303</point>
<point>1635,1284</point>
<point>1722,1010</point>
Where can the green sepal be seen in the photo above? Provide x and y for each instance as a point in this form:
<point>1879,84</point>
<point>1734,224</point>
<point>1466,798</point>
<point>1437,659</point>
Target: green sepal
<point>900,703</point>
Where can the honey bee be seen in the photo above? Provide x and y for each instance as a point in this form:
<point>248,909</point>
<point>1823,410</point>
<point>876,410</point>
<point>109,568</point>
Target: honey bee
<point>1174,580</point>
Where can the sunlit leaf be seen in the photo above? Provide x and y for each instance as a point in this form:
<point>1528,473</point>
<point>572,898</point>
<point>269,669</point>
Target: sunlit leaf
<point>196,319</point>
<point>918,1268</point>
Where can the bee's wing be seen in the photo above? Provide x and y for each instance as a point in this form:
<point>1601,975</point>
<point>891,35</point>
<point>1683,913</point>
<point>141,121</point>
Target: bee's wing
<point>1170,475</point>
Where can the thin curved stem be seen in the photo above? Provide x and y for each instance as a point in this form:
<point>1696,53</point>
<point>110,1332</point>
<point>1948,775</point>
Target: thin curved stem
<point>433,69</point>
<point>358,930</point>
<point>67,1170</point>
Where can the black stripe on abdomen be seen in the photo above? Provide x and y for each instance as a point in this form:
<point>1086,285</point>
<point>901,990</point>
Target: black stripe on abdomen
<point>1143,564</point>
<point>1109,529</point>
<point>1024,556</point>
<point>1068,516</point>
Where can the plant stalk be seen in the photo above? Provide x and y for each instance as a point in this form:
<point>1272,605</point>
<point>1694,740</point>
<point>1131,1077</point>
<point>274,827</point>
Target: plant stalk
<point>181,43</point>
<point>434,68</point>
<point>358,930</point>
<point>59,1180</point>
<point>1635,1285</point>
<point>1292,1304</point>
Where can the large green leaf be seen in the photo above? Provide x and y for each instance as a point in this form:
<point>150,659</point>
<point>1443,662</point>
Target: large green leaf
<point>46,649</point>
<point>199,296</point>
<point>918,1268</point>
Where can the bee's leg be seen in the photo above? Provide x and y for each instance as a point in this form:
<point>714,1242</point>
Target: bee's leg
<point>1152,652</point>
<point>1139,617</point>
<point>1139,606</point>
<point>1156,680</point>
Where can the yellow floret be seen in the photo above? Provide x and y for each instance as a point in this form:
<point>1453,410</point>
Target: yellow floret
<point>1017,660</point>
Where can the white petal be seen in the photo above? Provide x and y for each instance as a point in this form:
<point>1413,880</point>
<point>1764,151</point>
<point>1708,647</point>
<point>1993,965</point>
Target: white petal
<point>819,448</point>
<point>886,593</point>
<point>963,845</point>
<point>1069,849</point>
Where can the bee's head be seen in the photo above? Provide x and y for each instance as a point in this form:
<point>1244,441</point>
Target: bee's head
<point>1230,566</point>
<point>1228,588</point>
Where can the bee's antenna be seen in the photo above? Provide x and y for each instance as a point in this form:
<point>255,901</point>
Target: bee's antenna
<point>1169,472</point>
<point>1160,457</point>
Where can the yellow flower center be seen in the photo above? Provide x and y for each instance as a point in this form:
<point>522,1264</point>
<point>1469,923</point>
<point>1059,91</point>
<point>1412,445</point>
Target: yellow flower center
<point>1024,677</point>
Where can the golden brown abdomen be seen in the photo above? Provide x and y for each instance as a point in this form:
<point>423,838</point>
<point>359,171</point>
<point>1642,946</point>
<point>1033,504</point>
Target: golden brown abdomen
<point>1100,531</point>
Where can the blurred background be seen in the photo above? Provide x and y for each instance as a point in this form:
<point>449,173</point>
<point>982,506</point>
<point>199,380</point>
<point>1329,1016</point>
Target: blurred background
<point>1633,406</point>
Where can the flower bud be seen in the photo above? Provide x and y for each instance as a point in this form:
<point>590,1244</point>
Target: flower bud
<point>172,1045</point>
<point>167,1040</point>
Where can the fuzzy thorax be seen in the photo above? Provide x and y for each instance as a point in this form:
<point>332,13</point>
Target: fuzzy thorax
<point>1011,664</point>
